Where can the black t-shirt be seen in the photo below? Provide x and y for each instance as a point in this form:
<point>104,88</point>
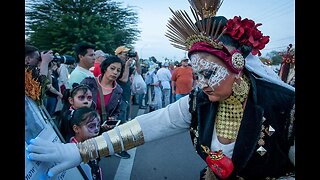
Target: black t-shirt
<point>126,87</point>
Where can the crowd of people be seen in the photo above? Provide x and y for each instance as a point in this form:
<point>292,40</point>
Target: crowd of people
<point>105,83</point>
<point>240,115</point>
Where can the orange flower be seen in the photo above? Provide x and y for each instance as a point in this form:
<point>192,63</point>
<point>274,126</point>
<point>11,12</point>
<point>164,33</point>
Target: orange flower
<point>32,87</point>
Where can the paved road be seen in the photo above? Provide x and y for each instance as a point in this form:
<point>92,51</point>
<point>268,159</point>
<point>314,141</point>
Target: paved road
<point>170,158</point>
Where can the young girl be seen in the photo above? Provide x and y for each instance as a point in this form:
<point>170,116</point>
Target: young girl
<point>85,123</point>
<point>78,96</point>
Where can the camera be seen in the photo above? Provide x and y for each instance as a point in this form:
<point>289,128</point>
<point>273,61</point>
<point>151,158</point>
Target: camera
<point>65,59</point>
<point>132,53</point>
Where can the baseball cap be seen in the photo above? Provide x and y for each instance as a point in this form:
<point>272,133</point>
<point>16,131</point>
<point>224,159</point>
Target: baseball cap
<point>99,53</point>
<point>121,49</point>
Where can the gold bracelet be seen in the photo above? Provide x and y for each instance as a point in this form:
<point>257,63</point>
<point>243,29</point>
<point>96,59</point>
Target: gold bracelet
<point>83,152</point>
<point>88,150</point>
<point>102,145</point>
<point>115,140</point>
<point>93,149</point>
<point>131,134</point>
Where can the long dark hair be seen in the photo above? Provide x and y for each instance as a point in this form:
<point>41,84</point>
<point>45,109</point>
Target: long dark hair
<point>108,61</point>
<point>76,117</point>
<point>64,114</point>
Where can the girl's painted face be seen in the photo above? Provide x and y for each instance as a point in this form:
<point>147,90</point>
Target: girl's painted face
<point>113,71</point>
<point>81,99</point>
<point>214,78</point>
<point>88,129</point>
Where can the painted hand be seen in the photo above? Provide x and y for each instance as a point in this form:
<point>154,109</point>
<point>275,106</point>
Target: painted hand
<point>65,156</point>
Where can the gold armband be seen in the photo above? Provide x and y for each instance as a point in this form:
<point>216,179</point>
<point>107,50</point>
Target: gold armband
<point>115,140</point>
<point>102,146</point>
<point>131,134</point>
<point>88,150</point>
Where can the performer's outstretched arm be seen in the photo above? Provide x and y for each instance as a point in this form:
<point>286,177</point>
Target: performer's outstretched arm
<point>173,119</point>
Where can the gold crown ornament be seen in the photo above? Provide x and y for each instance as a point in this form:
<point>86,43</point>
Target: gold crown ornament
<point>206,8</point>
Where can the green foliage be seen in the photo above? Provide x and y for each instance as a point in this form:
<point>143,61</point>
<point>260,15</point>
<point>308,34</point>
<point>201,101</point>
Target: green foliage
<point>265,60</point>
<point>61,24</point>
<point>275,57</point>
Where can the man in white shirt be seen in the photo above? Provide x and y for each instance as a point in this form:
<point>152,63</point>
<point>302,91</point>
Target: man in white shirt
<point>164,76</point>
<point>85,60</point>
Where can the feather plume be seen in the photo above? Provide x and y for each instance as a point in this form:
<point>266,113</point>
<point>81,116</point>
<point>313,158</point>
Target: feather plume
<point>206,8</point>
<point>183,32</point>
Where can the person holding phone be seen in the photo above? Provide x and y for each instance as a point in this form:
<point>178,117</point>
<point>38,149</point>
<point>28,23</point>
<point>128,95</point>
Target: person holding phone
<point>106,92</point>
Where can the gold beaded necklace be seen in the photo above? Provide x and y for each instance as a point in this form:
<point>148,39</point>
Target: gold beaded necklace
<point>230,112</point>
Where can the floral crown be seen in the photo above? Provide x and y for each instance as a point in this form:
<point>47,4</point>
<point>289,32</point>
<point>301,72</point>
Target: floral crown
<point>246,33</point>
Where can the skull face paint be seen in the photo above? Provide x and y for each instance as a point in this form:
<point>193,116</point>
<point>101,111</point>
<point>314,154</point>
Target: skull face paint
<point>92,126</point>
<point>209,73</point>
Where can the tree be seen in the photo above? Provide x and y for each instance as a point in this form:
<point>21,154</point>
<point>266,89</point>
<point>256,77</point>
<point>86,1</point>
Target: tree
<point>265,60</point>
<point>274,57</point>
<point>60,24</point>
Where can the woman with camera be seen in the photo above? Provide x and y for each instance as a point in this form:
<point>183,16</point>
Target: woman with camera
<point>130,59</point>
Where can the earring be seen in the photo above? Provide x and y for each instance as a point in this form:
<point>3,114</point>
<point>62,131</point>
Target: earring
<point>241,90</point>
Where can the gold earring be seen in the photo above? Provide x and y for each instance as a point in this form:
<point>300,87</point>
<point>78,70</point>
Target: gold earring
<point>241,90</point>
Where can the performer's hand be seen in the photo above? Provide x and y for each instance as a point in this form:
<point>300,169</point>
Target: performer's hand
<point>65,156</point>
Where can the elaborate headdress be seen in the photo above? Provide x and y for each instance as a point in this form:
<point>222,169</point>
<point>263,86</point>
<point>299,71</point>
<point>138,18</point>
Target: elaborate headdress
<point>204,35</point>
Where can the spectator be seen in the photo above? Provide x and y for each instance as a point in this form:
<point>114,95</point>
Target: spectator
<point>85,123</point>
<point>62,82</point>
<point>85,59</point>
<point>35,60</point>
<point>142,97</point>
<point>125,83</point>
<point>52,96</point>
<point>79,96</point>
<point>182,80</point>
<point>36,71</point>
<point>164,76</point>
<point>156,102</point>
<point>171,69</point>
<point>109,108</point>
<point>100,56</point>
<point>149,81</point>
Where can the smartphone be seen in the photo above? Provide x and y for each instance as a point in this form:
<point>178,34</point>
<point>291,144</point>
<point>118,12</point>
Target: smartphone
<point>111,123</point>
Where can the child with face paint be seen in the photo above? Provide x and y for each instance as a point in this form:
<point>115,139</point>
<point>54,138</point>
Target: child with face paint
<point>85,123</point>
<point>79,96</point>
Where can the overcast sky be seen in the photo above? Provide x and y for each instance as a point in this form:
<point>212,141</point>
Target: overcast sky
<point>276,16</point>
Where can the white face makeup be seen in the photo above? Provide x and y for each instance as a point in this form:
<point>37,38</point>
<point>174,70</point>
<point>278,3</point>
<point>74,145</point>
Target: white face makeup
<point>93,126</point>
<point>209,73</point>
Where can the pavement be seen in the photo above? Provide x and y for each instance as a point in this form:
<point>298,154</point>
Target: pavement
<point>169,158</point>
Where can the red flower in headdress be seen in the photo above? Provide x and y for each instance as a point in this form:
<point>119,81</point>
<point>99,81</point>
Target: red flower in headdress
<point>246,33</point>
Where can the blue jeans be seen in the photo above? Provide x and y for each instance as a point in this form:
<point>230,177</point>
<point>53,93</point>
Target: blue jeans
<point>166,96</point>
<point>50,104</point>
<point>178,96</point>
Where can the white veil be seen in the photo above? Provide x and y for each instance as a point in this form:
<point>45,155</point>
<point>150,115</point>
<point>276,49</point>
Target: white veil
<point>254,64</point>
